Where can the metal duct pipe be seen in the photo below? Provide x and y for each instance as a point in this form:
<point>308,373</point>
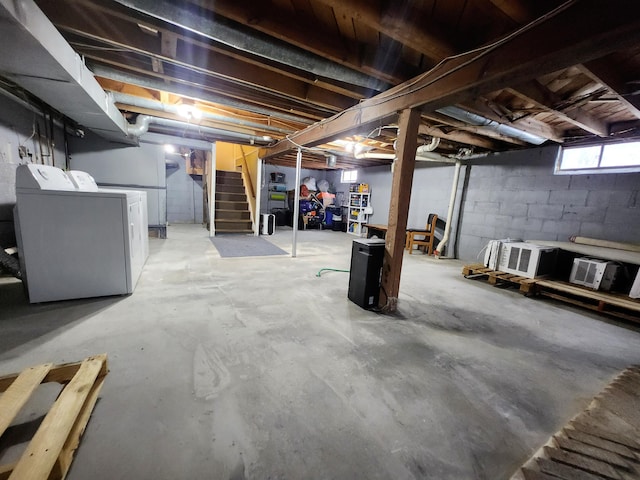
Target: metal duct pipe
<point>452,201</point>
<point>187,91</point>
<point>143,122</point>
<point>480,121</point>
<point>255,43</point>
<point>155,105</point>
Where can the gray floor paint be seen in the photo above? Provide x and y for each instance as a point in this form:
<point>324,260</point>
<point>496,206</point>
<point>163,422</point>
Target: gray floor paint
<point>256,368</point>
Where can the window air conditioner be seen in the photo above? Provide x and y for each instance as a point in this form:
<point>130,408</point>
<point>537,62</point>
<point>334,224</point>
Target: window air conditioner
<point>594,273</point>
<point>527,259</point>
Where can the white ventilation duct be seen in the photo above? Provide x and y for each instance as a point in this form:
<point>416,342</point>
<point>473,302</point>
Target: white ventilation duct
<point>143,122</point>
<point>146,103</point>
<point>36,57</point>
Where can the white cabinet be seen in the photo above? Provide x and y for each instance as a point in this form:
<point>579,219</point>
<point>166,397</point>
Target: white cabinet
<point>359,204</point>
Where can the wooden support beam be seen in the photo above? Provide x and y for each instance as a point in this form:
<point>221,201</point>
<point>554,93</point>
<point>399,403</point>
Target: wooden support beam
<point>408,123</point>
<point>541,96</point>
<point>604,72</point>
<point>581,32</point>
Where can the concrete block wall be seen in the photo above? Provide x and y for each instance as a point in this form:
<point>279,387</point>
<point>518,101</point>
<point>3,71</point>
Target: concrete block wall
<point>516,195</point>
<point>184,194</point>
<point>429,194</point>
<point>16,129</point>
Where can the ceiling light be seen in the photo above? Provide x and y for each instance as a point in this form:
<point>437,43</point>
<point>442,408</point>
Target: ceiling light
<point>189,111</point>
<point>168,148</point>
<point>267,138</point>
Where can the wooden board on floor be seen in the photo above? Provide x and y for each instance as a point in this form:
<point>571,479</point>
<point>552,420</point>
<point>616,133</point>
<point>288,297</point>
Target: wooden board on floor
<point>50,452</point>
<point>600,443</point>
<point>496,277</point>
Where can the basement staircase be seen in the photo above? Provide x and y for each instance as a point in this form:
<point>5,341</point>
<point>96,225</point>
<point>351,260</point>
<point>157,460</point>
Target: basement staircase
<point>232,208</point>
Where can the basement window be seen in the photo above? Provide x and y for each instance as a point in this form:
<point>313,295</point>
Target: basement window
<point>349,176</point>
<point>602,158</point>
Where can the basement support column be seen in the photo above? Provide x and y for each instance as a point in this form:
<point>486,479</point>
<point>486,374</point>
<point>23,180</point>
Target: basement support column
<point>212,191</point>
<point>296,203</point>
<point>408,122</point>
<point>256,215</point>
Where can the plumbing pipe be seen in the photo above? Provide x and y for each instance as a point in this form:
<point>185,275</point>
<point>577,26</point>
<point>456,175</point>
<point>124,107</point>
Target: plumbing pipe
<point>452,200</point>
<point>430,147</point>
<point>296,203</point>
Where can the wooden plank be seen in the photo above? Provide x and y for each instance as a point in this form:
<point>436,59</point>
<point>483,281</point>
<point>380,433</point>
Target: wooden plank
<point>582,304</point>
<point>591,451</point>
<point>73,440</point>
<point>62,373</point>
<point>601,443</point>
<point>46,445</point>
<point>592,426</point>
<point>543,48</point>
<point>583,463</point>
<point>629,304</point>
<point>395,238</point>
<point>565,472</point>
<point>15,397</point>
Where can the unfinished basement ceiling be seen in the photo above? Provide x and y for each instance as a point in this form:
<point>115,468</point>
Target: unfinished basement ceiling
<point>272,68</point>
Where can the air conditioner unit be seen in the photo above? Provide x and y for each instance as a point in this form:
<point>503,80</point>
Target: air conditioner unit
<point>594,273</point>
<point>492,252</point>
<point>635,289</point>
<point>527,259</point>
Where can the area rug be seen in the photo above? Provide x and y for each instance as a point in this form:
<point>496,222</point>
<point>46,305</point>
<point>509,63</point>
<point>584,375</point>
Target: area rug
<point>230,245</point>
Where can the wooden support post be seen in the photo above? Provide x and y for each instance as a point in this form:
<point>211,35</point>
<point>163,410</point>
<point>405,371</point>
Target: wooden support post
<point>408,122</point>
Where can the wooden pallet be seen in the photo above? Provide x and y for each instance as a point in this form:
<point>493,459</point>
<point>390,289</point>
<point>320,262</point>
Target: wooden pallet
<point>50,452</point>
<point>496,277</point>
<point>601,443</point>
<point>615,304</point>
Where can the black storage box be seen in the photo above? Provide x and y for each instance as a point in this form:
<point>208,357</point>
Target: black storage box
<point>277,177</point>
<point>367,255</point>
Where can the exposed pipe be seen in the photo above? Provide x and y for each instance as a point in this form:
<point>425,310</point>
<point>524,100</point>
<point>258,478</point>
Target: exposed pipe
<point>187,91</point>
<point>430,147</point>
<point>143,122</point>
<point>155,105</point>
<point>452,201</point>
<point>296,204</point>
<point>480,121</point>
<point>216,28</point>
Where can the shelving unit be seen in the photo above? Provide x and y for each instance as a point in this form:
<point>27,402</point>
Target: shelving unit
<point>358,202</point>
<point>277,195</point>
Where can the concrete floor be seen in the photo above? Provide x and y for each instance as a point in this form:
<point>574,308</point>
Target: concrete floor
<point>255,368</point>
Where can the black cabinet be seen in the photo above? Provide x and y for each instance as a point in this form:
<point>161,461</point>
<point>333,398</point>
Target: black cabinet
<point>367,256</point>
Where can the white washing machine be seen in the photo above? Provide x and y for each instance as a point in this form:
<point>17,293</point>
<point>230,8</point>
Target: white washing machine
<point>76,240</point>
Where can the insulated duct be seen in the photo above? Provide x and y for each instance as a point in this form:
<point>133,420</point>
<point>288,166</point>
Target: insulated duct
<point>480,121</point>
<point>143,122</point>
<point>223,31</point>
<point>189,91</point>
<point>155,105</point>
<point>36,57</point>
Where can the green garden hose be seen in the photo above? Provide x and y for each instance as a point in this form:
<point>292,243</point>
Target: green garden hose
<point>330,270</point>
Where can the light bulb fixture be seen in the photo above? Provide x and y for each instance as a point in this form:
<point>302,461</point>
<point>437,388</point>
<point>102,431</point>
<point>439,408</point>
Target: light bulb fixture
<point>189,111</point>
<point>358,148</point>
<point>168,148</point>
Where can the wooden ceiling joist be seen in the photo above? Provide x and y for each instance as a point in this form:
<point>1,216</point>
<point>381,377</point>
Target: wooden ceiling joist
<point>605,72</point>
<point>583,31</point>
<point>538,94</point>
